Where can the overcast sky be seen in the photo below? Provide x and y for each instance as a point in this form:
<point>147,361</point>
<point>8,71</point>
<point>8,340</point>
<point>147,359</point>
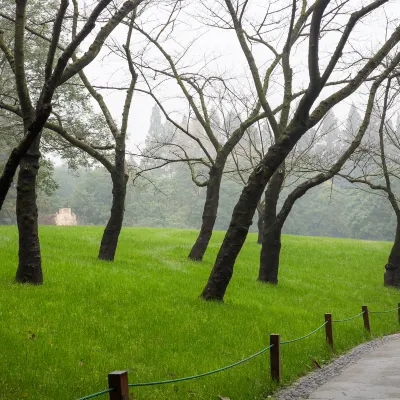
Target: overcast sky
<point>217,51</point>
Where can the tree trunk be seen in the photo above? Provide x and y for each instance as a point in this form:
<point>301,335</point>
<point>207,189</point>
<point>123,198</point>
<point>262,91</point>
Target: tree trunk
<point>236,235</point>
<point>29,264</point>
<point>15,159</point>
<point>301,122</point>
<point>271,244</point>
<point>209,213</point>
<point>270,252</point>
<point>111,233</point>
<point>392,274</point>
<point>243,214</point>
<point>260,223</point>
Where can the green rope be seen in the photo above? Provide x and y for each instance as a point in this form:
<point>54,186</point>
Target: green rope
<point>348,319</point>
<point>203,374</point>
<point>383,312</point>
<point>236,363</point>
<point>305,336</point>
<point>96,394</point>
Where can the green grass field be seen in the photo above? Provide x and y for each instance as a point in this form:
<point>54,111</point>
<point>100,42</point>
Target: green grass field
<point>142,313</point>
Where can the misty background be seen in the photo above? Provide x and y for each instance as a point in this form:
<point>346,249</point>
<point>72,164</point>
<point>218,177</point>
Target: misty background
<point>167,196</point>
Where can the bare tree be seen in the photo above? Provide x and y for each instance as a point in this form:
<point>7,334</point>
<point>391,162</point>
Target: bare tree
<point>299,163</point>
<point>319,18</point>
<point>119,169</point>
<point>102,147</point>
<point>271,243</point>
<point>37,116</point>
<point>205,92</point>
<point>377,166</point>
<point>195,88</point>
<point>57,71</point>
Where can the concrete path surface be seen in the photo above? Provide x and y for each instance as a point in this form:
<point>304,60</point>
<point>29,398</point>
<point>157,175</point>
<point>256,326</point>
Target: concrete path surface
<point>375,375</point>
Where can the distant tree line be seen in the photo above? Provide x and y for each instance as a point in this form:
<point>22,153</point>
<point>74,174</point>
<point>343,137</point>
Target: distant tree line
<point>332,209</point>
<point>169,198</point>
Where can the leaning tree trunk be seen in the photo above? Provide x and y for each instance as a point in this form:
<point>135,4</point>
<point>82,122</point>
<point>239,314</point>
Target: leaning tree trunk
<point>29,258</point>
<point>243,213</point>
<point>271,243</point>
<point>392,274</point>
<point>15,159</point>
<point>302,121</point>
<point>235,237</point>
<point>111,233</point>
<point>209,213</point>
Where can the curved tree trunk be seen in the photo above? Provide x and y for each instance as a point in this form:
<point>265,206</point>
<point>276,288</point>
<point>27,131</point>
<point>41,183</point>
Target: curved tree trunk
<point>271,244</point>
<point>29,258</point>
<point>209,213</point>
<point>302,121</point>
<point>111,233</point>
<point>243,213</point>
<point>270,252</point>
<point>235,237</point>
<point>28,142</point>
<point>244,210</point>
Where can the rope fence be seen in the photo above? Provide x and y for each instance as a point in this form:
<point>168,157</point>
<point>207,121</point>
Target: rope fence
<point>305,336</point>
<point>348,319</point>
<point>118,380</point>
<point>203,374</point>
<point>384,312</point>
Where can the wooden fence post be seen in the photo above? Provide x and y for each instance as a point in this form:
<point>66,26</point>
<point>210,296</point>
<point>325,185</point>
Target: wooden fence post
<point>398,312</point>
<point>329,329</point>
<point>275,356</point>
<point>118,380</point>
<point>366,318</point>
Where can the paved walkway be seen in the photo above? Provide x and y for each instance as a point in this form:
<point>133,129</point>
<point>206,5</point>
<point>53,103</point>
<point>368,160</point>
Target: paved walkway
<point>375,375</point>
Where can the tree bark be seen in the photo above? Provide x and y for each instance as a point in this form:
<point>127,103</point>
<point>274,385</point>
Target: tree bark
<point>29,264</point>
<point>302,121</point>
<point>260,223</point>
<point>392,274</point>
<point>119,176</point>
<point>17,154</point>
<point>243,213</point>
<point>59,75</point>
<point>271,243</point>
<point>236,235</point>
<point>270,252</point>
<point>269,259</point>
<point>209,213</point>
<point>109,241</point>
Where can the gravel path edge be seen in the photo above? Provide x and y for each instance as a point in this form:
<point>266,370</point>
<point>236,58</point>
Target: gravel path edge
<point>303,387</point>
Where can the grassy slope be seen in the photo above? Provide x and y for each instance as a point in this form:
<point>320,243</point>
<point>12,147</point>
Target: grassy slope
<point>142,313</point>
